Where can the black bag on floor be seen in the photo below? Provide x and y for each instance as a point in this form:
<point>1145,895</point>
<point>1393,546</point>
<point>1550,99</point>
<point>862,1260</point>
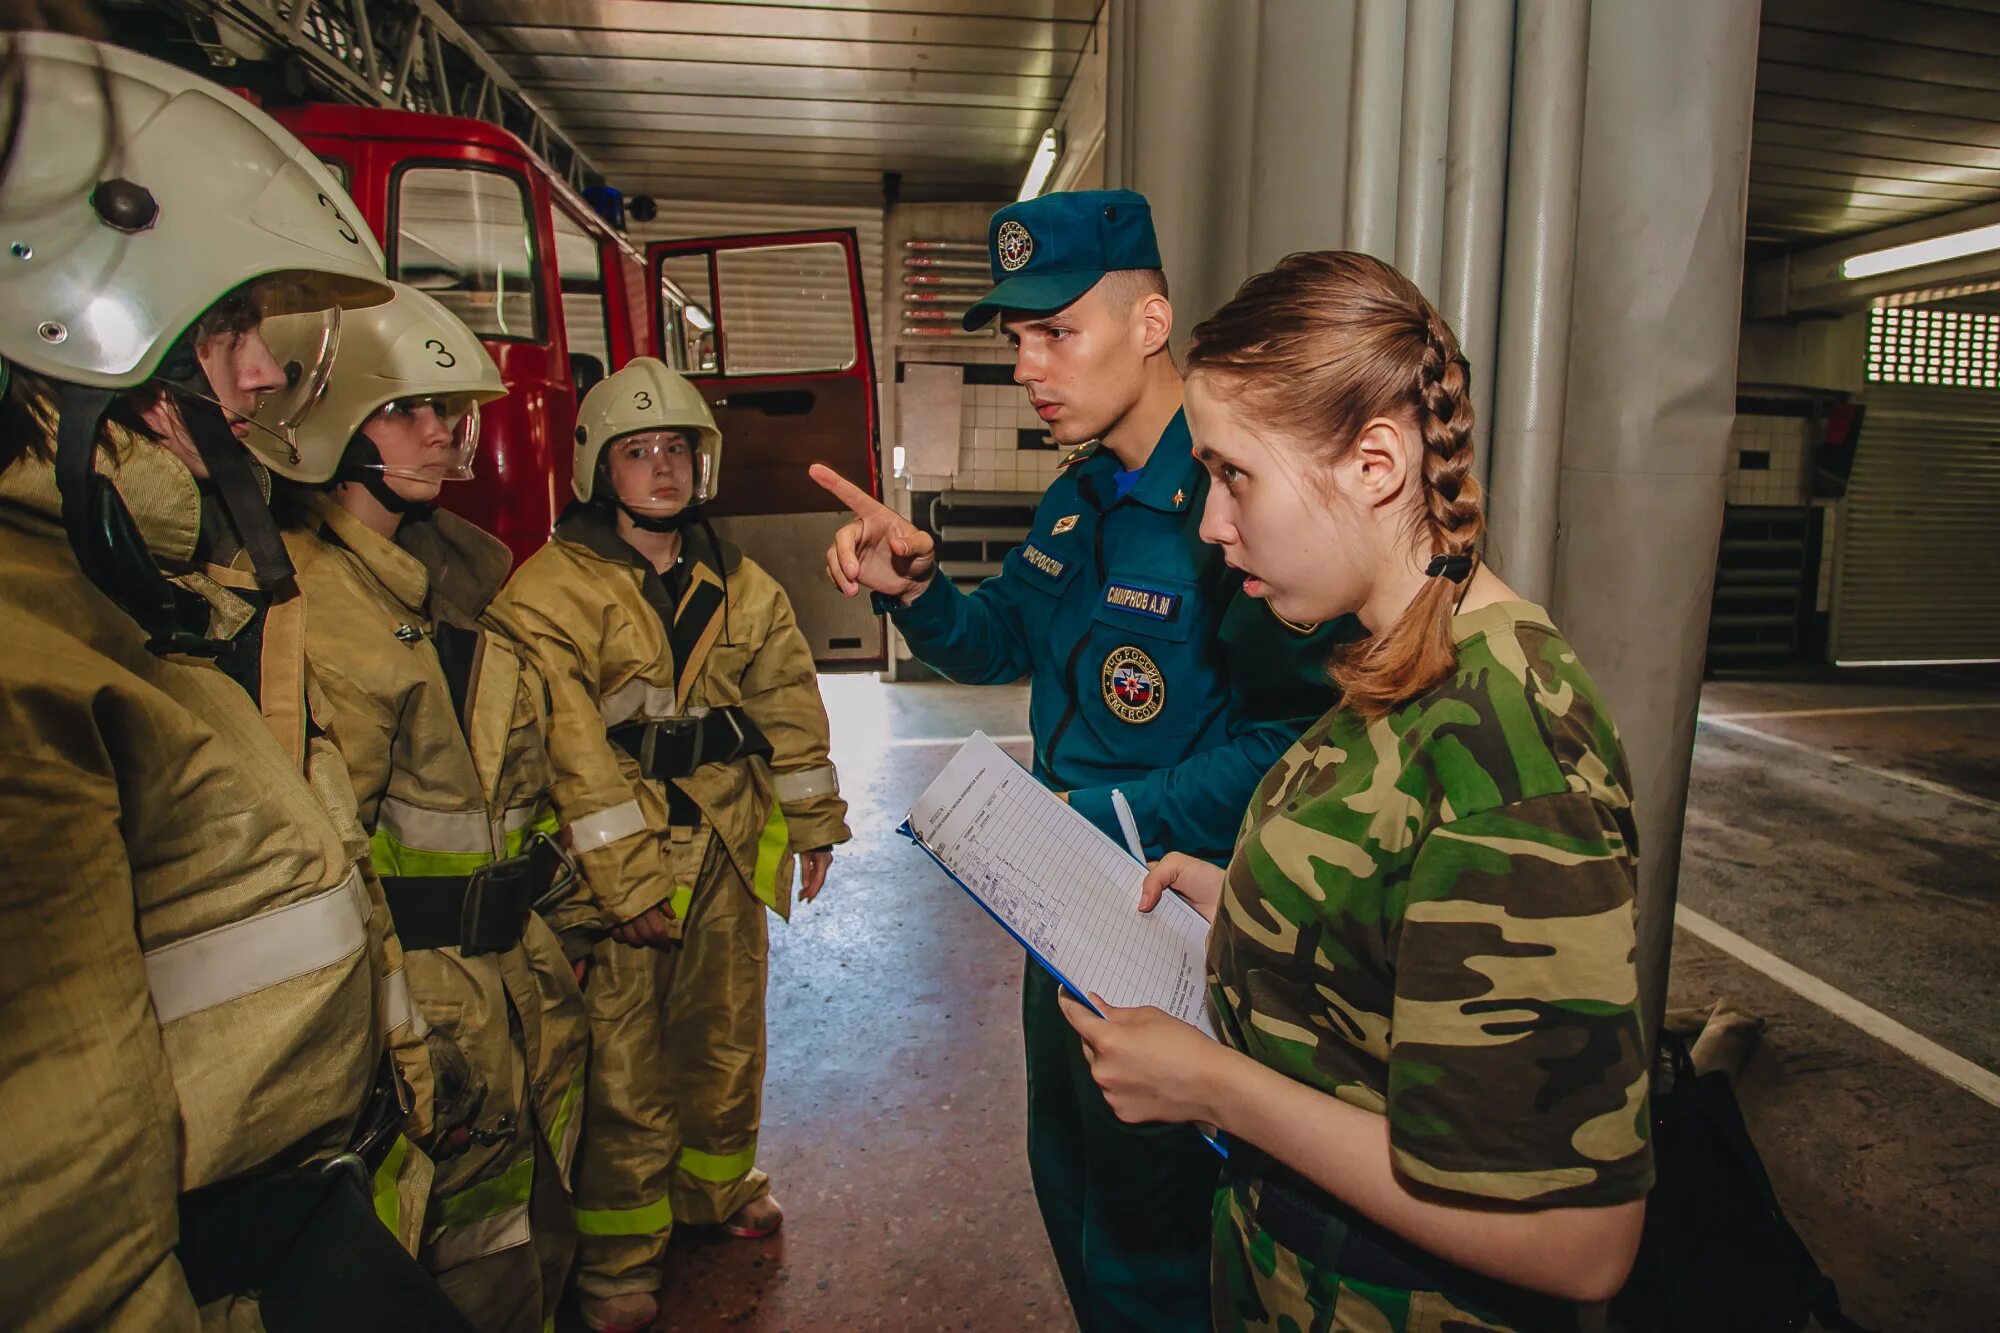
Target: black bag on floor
<point>1718,1255</point>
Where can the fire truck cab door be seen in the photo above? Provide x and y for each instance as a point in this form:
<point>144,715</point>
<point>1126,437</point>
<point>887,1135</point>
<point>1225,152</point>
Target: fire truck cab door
<point>773,330</point>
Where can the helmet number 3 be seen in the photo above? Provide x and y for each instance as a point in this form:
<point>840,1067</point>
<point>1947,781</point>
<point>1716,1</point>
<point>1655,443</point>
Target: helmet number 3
<point>445,359</point>
<point>643,401</point>
<point>346,228</point>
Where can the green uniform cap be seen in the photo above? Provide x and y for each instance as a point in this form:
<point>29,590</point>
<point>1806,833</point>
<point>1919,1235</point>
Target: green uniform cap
<point>1046,252</point>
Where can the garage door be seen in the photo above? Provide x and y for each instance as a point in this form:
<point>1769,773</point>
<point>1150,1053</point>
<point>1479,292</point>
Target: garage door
<point>1918,577</point>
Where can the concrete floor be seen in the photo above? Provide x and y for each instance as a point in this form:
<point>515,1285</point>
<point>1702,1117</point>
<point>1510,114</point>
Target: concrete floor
<point>1866,852</point>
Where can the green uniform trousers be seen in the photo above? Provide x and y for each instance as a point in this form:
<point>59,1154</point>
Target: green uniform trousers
<point>1127,1207</point>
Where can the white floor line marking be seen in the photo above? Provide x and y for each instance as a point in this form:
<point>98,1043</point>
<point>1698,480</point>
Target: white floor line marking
<point>1831,757</point>
<point>1854,712</point>
<point>1980,1082</point>
<point>908,742</point>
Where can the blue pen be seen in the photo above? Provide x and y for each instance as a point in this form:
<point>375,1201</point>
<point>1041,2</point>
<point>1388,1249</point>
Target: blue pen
<point>1128,825</point>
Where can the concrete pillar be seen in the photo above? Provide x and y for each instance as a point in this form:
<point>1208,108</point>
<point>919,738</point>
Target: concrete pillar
<point>1298,166</point>
<point>1522,465</point>
<point>1374,127</point>
<point>1475,192</point>
<point>1652,389</point>
<point>1427,63</point>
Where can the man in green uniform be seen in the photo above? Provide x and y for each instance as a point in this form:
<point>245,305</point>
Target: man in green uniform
<point>1148,673</point>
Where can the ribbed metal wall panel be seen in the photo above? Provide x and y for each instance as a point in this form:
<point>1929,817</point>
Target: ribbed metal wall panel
<point>1918,576</point>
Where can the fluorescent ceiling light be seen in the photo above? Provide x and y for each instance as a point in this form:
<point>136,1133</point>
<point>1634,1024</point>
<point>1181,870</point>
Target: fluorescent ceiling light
<point>1044,162</point>
<point>1934,250</point>
<point>699,317</point>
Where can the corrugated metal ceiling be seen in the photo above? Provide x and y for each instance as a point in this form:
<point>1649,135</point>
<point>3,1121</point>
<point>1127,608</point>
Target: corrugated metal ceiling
<point>1872,113</point>
<point>809,101</point>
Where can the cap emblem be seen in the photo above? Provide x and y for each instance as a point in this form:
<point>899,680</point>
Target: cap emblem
<point>1014,246</point>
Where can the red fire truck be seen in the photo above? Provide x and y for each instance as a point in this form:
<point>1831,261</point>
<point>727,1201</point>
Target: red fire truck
<point>773,328</point>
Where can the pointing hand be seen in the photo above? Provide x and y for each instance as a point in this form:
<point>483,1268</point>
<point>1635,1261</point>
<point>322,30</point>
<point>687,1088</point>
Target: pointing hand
<point>879,549</point>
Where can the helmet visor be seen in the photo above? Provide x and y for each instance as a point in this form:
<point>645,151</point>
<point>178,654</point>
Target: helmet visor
<point>657,471</point>
<point>425,437</point>
<point>265,352</point>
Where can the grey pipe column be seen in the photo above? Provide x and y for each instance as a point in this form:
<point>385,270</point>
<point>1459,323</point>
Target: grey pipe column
<point>1374,127</point>
<point>1187,143</point>
<point>1652,395</point>
<point>1475,192</point>
<point>1298,171</point>
<point>1426,123</point>
<point>1523,462</point>
<point>1120,92</point>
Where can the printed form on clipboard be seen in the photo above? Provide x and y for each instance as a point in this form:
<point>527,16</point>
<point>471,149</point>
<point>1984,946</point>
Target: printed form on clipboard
<point>1069,894</point>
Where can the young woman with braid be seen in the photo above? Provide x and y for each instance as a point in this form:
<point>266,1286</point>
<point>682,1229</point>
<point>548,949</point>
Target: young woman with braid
<point>1432,1071</point>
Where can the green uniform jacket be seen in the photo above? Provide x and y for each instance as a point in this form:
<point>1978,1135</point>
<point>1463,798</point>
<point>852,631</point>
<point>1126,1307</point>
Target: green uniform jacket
<point>1148,670</point>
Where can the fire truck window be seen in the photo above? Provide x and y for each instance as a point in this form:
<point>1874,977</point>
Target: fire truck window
<point>463,236</point>
<point>580,261</point>
<point>785,309</point>
<point>339,170</point>
<point>673,326</point>
<point>689,332</point>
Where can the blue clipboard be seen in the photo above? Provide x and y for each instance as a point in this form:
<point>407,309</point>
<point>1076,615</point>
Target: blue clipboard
<point>1216,1140</point>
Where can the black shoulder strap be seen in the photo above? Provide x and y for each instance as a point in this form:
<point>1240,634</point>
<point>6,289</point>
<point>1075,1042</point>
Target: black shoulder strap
<point>235,481</point>
<point>458,655</point>
<point>697,622</point>
<point>107,542</point>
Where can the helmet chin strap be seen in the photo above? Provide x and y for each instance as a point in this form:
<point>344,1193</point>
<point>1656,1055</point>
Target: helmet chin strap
<point>687,517</point>
<point>363,464</point>
<point>227,459</point>
<point>235,480</point>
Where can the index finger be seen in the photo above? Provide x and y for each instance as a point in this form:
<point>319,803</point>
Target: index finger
<point>845,491</point>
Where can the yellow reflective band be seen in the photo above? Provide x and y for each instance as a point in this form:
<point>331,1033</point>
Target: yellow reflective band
<point>434,830</point>
<point>770,851</point>
<point>717,1170</point>
<point>520,829</point>
<point>559,1125</point>
<point>678,900</point>
<point>646,1221</point>
<point>393,857</point>
<point>496,1195</point>
<point>388,1207</point>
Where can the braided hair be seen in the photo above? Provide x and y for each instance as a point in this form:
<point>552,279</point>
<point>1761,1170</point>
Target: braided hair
<point>1318,347</point>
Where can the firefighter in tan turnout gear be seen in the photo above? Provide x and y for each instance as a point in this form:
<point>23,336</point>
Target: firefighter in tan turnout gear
<point>192,1069</point>
<point>440,722</point>
<point>690,748</point>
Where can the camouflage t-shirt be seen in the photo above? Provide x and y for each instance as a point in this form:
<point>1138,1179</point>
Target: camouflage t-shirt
<point>1430,917</point>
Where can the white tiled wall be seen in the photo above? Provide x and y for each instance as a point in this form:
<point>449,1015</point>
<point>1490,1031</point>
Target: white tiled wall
<point>988,459</point>
<point>1784,439</point>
